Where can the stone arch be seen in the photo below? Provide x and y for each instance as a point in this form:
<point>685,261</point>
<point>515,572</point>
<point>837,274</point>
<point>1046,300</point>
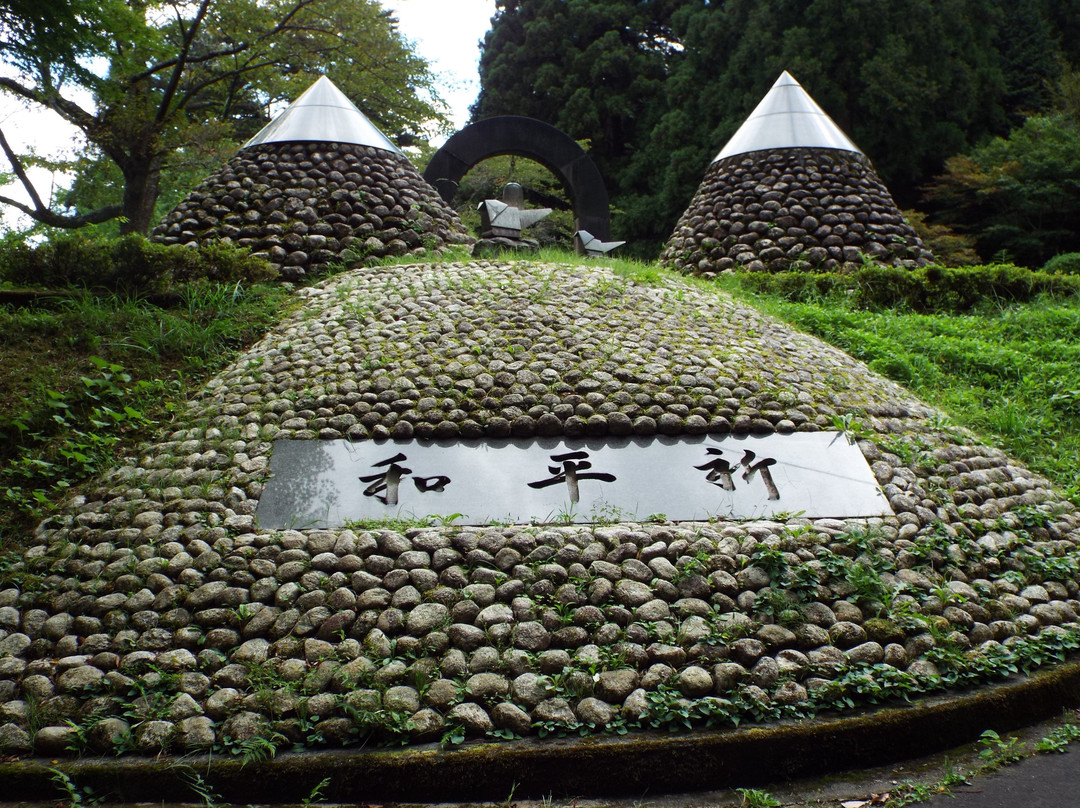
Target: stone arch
<point>536,140</point>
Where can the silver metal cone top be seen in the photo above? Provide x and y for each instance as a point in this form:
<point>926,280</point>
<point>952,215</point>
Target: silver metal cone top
<point>323,114</point>
<point>786,118</point>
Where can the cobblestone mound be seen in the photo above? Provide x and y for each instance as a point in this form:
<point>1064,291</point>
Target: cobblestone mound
<point>153,614</point>
<point>306,205</point>
<point>791,209</point>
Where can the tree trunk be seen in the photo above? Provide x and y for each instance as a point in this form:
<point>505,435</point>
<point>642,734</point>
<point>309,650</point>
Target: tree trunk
<point>140,195</point>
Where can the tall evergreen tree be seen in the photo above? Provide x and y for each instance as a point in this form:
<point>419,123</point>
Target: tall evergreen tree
<point>1028,65</point>
<point>658,87</point>
<point>596,70</point>
<point>1019,196</point>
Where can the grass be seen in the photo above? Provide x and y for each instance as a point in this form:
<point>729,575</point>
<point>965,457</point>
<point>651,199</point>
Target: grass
<point>88,376</point>
<point>632,268</point>
<point>1010,372</point>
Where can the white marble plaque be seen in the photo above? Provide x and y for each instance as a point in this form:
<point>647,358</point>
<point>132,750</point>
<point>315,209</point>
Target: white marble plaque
<point>326,484</point>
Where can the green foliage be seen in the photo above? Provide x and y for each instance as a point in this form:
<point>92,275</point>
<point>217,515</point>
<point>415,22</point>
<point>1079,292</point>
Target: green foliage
<point>657,87</point>
<point>129,264</point>
<point>1019,195</point>
<point>90,375</point>
<point>157,111</point>
<point>453,735</point>
<point>77,796</point>
<point>198,785</point>
<point>1058,739</point>
<point>1064,264</point>
<point>315,796</point>
<point>952,249</point>
<point>756,798</point>
<point>996,751</point>
<point>1006,369</point>
<point>71,437</point>
<point>926,289</point>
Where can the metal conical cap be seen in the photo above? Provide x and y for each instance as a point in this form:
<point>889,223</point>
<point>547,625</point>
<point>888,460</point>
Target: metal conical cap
<point>323,114</point>
<point>787,118</point>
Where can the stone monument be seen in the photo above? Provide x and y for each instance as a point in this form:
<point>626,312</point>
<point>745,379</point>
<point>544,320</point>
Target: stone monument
<point>319,184</point>
<point>501,223</point>
<point>790,191</point>
<point>585,243</point>
<point>165,608</point>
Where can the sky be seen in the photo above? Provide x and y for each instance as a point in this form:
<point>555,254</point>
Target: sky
<point>445,32</point>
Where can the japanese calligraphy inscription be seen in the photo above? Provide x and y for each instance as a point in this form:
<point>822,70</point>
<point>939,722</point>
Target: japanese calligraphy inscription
<point>570,472</point>
<point>316,484</point>
<point>384,484</point>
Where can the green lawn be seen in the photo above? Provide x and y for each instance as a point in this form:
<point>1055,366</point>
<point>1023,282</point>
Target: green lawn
<point>1010,372</point>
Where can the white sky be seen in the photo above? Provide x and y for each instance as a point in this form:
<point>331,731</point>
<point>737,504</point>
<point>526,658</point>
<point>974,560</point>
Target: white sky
<point>448,33</point>
<point>445,32</point>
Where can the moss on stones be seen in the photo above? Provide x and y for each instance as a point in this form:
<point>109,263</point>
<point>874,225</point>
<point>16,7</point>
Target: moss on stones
<point>157,582</point>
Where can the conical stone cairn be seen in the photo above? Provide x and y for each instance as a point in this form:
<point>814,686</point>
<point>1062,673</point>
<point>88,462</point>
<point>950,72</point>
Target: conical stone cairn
<point>320,184</point>
<point>791,191</point>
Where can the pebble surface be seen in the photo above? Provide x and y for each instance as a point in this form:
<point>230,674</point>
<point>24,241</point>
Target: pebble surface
<point>303,206</point>
<point>791,209</point>
<point>153,614</point>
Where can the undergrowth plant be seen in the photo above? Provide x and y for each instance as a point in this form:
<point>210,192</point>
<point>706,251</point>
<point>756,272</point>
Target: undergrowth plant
<point>77,796</point>
<point>756,798</point>
<point>1003,365</point>
<point>89,374</point>
<point>72,435</point>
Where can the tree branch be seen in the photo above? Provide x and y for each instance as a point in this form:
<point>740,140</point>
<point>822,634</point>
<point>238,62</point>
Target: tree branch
<point>68,110</point>
<point>181,61</point>
<point>282,25</point>
<point>20,172</point>
<point>40,212</point>
<point>66,222</point>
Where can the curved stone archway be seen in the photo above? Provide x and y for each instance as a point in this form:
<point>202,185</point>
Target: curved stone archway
<point>536,140</point>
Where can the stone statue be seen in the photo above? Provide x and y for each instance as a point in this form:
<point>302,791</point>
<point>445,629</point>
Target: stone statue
<point>501,223</point>
<point>585,243</point>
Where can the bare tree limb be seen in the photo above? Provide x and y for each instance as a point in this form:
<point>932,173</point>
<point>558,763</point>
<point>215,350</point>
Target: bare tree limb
<point>181,62</point>
<point>20,172</point>
<point>282,25</point>
<point>66,222</point>
<point>40,212</point>
<point>68,110</point>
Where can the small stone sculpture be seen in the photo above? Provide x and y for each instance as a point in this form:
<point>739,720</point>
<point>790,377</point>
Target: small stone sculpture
<point>501,223</point>
<point>499,219</point>
<point>585,243</point>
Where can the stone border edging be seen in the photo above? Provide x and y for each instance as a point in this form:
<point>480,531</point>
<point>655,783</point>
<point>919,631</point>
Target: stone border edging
<point>588,766</point>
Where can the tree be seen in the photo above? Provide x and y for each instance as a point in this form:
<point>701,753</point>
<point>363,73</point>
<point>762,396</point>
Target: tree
<point>1020,195</point>
<point>1029,67</point>
<point>594,69</point>
<point>167,75</point>
<point>658,87</point>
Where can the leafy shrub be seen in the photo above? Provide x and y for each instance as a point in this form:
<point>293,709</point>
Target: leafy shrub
<point>951,248</point>
<point>1063,264</point>
<point>130,264</point>
<point>1020,194</point>
<point>926,289</point>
